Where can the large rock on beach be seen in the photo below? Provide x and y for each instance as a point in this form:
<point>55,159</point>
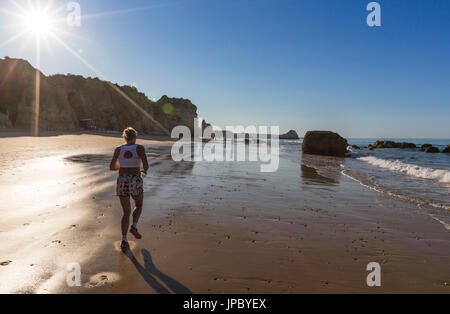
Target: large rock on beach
<point>324,143</point>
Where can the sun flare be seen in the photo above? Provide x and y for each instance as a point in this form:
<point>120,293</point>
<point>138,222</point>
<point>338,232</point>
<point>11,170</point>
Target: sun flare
<point>38,22</point>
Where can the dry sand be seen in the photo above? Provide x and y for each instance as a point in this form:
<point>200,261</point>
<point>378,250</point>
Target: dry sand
<point>58,207</point>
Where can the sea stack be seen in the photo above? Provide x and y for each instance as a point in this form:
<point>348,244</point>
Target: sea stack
<point>324,143</point>
<point>291,135</point>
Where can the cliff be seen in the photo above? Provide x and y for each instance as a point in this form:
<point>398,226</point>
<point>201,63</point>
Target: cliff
<point>66,99</point>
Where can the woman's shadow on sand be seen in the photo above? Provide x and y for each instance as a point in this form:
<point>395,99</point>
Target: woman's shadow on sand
<point>149,272</point>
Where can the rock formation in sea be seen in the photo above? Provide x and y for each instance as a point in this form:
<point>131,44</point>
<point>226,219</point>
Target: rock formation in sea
<point>291,135</point>
<point>324,143</point>
<point>447,150</point>
<point>67,99</point>
<point>424,147</point>
<point>432,150</point>
<point>391,144</point>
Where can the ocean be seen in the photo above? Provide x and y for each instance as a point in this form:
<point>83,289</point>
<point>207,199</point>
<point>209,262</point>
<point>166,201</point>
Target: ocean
<point>410,175</point>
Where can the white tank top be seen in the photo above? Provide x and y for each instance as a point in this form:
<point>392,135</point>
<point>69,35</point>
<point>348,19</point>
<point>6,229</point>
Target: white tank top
<point>129,157</point>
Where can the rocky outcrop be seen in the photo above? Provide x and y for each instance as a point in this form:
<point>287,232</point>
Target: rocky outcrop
<point>391,144</point>
<point>447,150</point>
<point>425,146</point>
<point>432,150</point>
<point>324,143</point>
<point>291,135</point>
<point>66,99</point>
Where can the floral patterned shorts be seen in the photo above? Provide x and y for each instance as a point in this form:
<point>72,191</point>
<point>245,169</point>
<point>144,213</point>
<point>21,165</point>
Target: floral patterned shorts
<point>130,185</point>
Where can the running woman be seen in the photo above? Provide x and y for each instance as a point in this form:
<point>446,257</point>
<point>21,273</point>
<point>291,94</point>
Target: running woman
<point>129,182</point>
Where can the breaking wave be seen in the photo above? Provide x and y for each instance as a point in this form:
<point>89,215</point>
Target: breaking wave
<point>440,175</point>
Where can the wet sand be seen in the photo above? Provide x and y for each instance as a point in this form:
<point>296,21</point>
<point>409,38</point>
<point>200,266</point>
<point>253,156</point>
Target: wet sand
<point>207,228</point>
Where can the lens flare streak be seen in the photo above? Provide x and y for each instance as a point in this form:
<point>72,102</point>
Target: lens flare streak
<point>40,22</point>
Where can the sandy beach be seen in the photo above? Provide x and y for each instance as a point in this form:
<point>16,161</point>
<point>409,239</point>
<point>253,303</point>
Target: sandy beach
<point>208,227</point>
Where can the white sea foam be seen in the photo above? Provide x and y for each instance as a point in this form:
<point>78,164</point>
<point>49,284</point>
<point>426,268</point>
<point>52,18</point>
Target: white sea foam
<point>446,225</point>
<point>440,175</point>
<point>376,188</point>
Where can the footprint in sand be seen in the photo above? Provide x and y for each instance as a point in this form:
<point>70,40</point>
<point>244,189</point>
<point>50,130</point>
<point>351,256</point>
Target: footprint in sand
<point>54,243</point>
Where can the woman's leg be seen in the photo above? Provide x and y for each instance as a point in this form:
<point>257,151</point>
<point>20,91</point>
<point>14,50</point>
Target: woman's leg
<point>126,206</point>
<point>139,201</point>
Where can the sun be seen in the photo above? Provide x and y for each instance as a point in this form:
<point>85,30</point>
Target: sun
<point>38,22</point>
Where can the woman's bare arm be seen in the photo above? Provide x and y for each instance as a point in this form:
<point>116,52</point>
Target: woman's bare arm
<point>114,166</point>
<point>143,155</point>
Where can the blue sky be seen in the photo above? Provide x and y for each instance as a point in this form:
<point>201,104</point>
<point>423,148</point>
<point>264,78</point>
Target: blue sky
<point>299,64</point>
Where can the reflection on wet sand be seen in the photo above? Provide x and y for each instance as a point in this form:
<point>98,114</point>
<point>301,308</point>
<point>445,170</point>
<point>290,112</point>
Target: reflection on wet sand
<point>164,169</point>
<point>311,177</point>
<point>87,158</point>
<point>321,170</point>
